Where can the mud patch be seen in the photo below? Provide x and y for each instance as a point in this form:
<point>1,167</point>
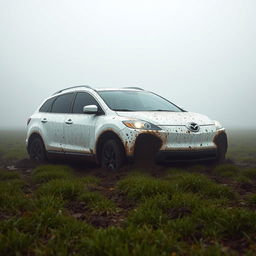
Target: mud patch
<point>146,148</point>
<point>26,164</point>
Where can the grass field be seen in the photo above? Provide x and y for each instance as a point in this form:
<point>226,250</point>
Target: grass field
<point>79,209</point>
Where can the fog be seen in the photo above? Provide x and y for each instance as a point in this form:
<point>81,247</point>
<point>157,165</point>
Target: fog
<point>200,54</point>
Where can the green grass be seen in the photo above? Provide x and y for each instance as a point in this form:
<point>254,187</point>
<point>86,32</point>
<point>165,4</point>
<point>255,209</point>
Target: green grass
<point>215,223</point>
<point>151,212</point>
<point>61,186</point>
<point>9,175</point>
<point>139,186</point>
<point>90,180</point>
<point>130,241</point>
<point>44,232</point>
<point>200,184</point>
<point>247,176</point>
<point>12,198</point>
<point>226,170</point>
<point>48,202</point>
<point>45,173</point>
<point>227,223</point>
<point>98,203</point>
<point>67,189</point>
<point>14,242</point>
<point>178,214</point>
<point>251,200</point>
<point>249,173</point>
<point>243,175</point>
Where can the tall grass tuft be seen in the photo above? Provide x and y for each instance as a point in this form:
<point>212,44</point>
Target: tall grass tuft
<point>45,173</point>
<point>138,186</point>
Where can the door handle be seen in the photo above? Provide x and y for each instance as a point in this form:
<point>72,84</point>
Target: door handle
<point>69,121</point>
<point>44,120</point>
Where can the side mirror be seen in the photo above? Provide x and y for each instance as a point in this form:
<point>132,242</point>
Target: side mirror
<point>90,109</point>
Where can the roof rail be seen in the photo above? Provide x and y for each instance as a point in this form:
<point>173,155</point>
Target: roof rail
<point>78,86</point>
<point>137,88</point>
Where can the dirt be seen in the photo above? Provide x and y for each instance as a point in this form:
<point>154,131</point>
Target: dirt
<point>146,148</point>
<point>79,210</point>
<point>107,188</point>
<point>25,164</point>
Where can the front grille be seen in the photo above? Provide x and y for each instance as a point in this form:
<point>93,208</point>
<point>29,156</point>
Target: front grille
<point>181,137</point>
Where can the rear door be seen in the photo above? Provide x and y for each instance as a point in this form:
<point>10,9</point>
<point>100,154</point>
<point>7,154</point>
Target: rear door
<point>45,117</point>
<point>79,127</point>
<point>56,121</point>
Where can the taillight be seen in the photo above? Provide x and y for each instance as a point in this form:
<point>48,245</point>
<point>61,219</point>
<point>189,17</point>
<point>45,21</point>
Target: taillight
<point>28,121</point>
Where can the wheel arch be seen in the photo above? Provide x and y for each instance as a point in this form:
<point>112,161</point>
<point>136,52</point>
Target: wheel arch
<point>104,136</point>
<point>33,136</point>
<point>221,142</point>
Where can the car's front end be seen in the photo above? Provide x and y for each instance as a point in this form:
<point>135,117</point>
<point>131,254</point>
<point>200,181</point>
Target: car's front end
<point>179,135</point>
<point>183,136</point>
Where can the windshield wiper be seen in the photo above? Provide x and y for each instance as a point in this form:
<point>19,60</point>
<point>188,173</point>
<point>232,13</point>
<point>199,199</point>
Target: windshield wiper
<point>161,110</point>
<point>122,109</point>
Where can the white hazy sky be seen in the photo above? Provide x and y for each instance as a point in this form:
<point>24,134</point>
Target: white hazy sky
<point>200,54</point>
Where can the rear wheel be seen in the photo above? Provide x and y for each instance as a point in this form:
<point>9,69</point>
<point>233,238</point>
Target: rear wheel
<point>112,155</point>
<point>37,150</point>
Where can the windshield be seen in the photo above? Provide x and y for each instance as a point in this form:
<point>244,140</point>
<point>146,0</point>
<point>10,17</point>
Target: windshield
<point>136,101</point>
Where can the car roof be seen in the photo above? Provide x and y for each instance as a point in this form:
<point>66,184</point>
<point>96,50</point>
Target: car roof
<point>88,88</point>
<point>118,89</point>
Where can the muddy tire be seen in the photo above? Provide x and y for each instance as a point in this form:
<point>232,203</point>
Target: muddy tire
<point>221,155</point>
<point>112,155</point>
<point>222,146</point>
<point>37,150</point>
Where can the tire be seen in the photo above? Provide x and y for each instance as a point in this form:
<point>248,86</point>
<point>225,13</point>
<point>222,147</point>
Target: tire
<point>222,146</point>
<point>112,155</point>
<point>37,150</point>
<point>221,155</point>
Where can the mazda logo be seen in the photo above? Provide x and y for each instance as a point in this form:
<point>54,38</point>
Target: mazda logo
<point>193,127</point>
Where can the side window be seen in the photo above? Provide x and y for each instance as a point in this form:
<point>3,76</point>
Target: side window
<point>47,105</point>
<point>83,99</point>
<point>62,103</point>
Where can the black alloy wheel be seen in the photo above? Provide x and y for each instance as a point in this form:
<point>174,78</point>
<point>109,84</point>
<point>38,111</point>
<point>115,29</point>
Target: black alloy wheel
<point>112,155</point>
<point>37,151</point>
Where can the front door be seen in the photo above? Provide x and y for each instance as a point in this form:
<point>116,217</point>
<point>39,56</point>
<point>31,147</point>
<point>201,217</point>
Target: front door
<point>79,127</point>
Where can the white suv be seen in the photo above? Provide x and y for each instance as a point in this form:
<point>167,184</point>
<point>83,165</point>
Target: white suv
<point>113,125</point>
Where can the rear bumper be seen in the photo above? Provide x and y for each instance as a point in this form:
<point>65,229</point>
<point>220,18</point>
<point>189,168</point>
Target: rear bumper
<point>186,155</point>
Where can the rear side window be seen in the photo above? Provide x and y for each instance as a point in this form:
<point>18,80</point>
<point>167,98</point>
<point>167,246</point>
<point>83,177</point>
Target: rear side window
<point>83,99</point>
<point>47,105</point>
<point>62,103</point>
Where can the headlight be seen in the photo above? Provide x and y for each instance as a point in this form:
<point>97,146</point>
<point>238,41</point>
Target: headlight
<point>139,124</point>
<point>218,125</point>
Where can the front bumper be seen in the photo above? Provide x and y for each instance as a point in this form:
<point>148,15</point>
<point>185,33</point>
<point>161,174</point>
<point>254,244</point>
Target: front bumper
<point>174,139</point>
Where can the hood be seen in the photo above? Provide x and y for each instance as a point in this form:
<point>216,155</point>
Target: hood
<point>167,118</point>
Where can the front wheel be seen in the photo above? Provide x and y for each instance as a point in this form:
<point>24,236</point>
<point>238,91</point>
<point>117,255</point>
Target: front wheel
<point>112,155</point>
<point>37,150</point>
<point>221,155</point>
<point>221,142</point>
